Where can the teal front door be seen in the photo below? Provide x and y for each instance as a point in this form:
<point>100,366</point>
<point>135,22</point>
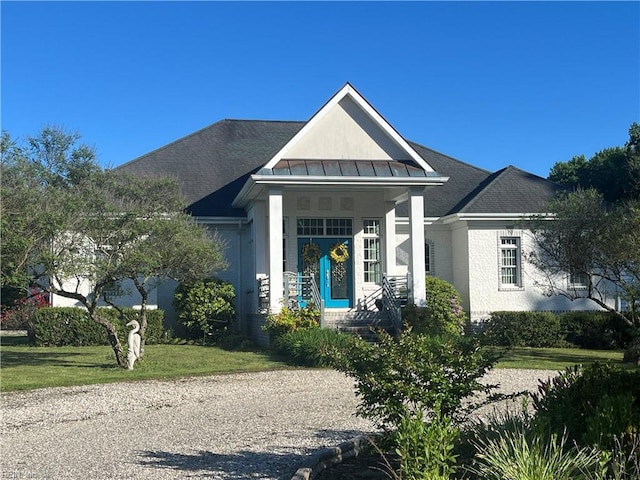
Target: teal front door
<point>329,261</point>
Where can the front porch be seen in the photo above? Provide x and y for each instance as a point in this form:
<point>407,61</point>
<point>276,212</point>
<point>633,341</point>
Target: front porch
<point>381,310</point>
<point>324,207</point>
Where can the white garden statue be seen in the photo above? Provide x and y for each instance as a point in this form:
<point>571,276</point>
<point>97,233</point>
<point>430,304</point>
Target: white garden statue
<point>134,344</point>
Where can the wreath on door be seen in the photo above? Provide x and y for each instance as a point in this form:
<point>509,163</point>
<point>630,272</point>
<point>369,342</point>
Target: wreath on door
<point>311,253</point>
<point>339,252</point>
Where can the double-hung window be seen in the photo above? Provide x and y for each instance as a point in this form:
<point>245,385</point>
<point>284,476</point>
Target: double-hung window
<point>578,280</point>
<point>428,257</point>
<point>371,238</point>
<point>285,238</point>
<point>510,263</point>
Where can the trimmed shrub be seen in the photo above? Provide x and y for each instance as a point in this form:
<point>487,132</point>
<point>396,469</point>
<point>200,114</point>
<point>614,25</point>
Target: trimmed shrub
<point>205,306</point>
<point>443,313</point>
<point>312,347</point>
<point>289,320</point>
<point>591,405</point>
<point>523,329</point>
<point>69,326</point>
<point>596,330</point>
<point>415,372</point>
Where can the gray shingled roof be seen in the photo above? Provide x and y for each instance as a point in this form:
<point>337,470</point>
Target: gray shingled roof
<point>510,190</point>
<point>463,179</point>
<point>214,163</point>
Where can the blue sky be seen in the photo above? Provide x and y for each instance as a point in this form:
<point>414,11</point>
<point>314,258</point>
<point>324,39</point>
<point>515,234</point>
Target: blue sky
<point>493,84</point>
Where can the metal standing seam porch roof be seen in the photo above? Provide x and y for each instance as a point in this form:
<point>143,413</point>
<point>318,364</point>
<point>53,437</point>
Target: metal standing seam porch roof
<point>343,174</point>
<point>346,168</point>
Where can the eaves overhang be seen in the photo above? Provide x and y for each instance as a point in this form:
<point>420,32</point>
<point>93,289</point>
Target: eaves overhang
<point>457,217</point>
<point>220,220</point>
<point>256,184</point>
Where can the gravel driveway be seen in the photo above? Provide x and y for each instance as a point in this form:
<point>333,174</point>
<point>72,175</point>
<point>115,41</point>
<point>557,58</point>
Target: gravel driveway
<point>239,426</point>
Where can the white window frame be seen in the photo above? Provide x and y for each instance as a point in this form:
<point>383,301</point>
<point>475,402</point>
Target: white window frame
<point>428,257</point>
<point>285,241</point>
<point>371,266</point>
<point>341,227</point>
<point>510,243</point>
<point>577,280</point>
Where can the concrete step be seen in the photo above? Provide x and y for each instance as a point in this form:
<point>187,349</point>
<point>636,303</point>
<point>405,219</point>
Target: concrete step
<point>355,318</point>
<point>363,323</point>
<point>367,333</point>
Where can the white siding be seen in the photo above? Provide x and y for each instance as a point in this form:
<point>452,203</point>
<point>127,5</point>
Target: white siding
<point>485,293</point>
<point>467,255</point>
<point>346,132</point>
<point>461,262</point>
<point>442,255</point>
<point>129,295</point>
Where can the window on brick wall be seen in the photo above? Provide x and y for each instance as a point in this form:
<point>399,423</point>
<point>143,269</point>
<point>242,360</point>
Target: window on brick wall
<point>510,263</point>
<point>578,280</point>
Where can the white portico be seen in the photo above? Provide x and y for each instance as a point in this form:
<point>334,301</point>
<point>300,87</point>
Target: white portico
<point>325,205</point>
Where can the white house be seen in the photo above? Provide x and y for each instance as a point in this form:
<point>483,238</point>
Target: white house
<point>346,199</point>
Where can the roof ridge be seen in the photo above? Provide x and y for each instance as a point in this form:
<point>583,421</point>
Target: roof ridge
<point>450,157</point>
<point>256,120</point>
<point>479,192</point>
<point>490,183</point>
<point>174,142</point>
<point>193,134</point>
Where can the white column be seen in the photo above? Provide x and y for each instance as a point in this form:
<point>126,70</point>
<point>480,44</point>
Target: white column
<point>276,288</point>
<point>258,216</point>
<point>390,238</point>
<point>416,262</point>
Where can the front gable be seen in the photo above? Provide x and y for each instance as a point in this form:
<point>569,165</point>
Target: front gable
<point>347,127</point>
<point>347,145</point>
<point>346,132</point>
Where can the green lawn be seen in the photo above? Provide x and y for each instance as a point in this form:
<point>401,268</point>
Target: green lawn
<point>556,358</point>
<point>24,367</point>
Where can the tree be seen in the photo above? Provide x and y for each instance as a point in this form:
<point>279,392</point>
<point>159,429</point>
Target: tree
<point>632,149</point>
<point>168,242</point>
<point>590,249</point>
<point>615,172</point>
<point>37,184</point>
<point>78,231</point>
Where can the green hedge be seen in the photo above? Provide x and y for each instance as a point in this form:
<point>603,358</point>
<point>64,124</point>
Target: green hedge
<point>594,330</point>
<point>69,326</point>
<point>590,405</point>
<point>524,329</point>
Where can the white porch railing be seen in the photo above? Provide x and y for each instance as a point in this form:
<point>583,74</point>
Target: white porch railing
<point>297,288</point>
<point>302,288</point>
<point>395,290</point>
